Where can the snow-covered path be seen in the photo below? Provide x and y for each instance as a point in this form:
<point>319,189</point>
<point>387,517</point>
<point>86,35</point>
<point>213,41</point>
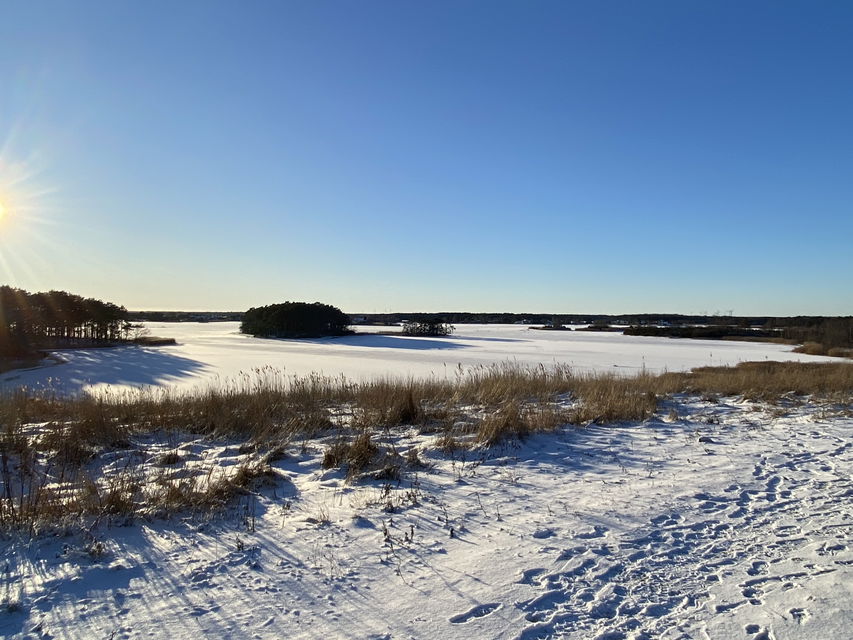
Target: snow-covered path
<point>727,520</point>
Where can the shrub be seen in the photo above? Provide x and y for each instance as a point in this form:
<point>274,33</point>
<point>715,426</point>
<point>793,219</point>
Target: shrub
<point>295,320</point>
<point>838,352</point>
<point>812,349</point>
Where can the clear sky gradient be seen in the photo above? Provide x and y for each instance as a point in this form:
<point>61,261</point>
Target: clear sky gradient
<point>691,157</point>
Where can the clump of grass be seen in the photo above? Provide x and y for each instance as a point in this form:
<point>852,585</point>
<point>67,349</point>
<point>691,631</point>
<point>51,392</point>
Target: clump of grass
<point>544,418</point>
<point>356,455</point>
<point>361,454</point>
<point>65,450</point>
<point>119,495</point>
<point>389,403</point>
<point>210,492</point>
<point>504,424</point>
<point>413,459</point>
<point>169,458</point>
<point>388,472</point>
<point>604,399</point>
<point>403,410</point>
<point>450,442</point>
<point>500,383</point>
<point>336,454</point>
<point>274,454</point>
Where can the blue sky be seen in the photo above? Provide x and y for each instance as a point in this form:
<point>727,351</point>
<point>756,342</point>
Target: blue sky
<point>485,156</point>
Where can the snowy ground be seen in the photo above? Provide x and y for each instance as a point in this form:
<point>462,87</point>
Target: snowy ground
<point>208,353</point>
<point>717,520</point>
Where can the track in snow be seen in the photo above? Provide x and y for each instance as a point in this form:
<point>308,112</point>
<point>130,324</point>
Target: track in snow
<point>660,581</point>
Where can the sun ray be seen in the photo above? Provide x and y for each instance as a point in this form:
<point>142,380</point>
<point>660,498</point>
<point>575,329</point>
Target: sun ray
<point>27,212</point>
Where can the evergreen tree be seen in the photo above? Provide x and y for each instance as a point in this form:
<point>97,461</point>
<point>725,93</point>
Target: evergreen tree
<point>295,320</point>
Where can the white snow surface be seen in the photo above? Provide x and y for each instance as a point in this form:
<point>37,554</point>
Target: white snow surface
<point>728,520</point>
<point>210,353</point>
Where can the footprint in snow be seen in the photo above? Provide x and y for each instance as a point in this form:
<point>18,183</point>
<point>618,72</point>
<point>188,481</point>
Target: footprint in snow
<point>480,611</point>
<point>598,531</point>
<point>722,608</point>
<point>760,634</point>
<point>800,615</point>
<point>543,602</point>
<point>528,576</point>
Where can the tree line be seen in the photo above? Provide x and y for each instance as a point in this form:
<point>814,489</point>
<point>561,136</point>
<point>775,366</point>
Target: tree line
<point>32,321</point>
<point>830,333</point>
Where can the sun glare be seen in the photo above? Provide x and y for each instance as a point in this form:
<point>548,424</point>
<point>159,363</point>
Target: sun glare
<point>27,212</point>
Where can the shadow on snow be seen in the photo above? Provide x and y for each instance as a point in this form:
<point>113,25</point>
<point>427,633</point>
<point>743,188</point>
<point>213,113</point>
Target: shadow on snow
<point>136,366</point>
<point>382,341</point>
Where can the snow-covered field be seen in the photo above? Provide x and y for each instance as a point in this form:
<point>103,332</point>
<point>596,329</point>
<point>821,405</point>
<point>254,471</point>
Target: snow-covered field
<point>208,353</point>
<point>717,520</point>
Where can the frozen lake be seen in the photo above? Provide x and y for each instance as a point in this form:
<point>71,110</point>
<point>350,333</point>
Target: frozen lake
<point>209,353</point>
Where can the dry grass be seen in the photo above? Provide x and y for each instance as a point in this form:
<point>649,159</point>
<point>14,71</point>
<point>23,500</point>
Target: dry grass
<point>512,421</point>
<point>495,385</point>
<point>819,349</point>
<point>47,443</point>
<point>272,408</point>
<point>773,340</point>
<point>614,399</point>
<point>812,349</point>
<point>53,496</point>
<point>769,380</point>
<point>387,404</point>
<point>505,423</point>
<point>355,456</point>
<point>840,352</point>
<point>453,440</point>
